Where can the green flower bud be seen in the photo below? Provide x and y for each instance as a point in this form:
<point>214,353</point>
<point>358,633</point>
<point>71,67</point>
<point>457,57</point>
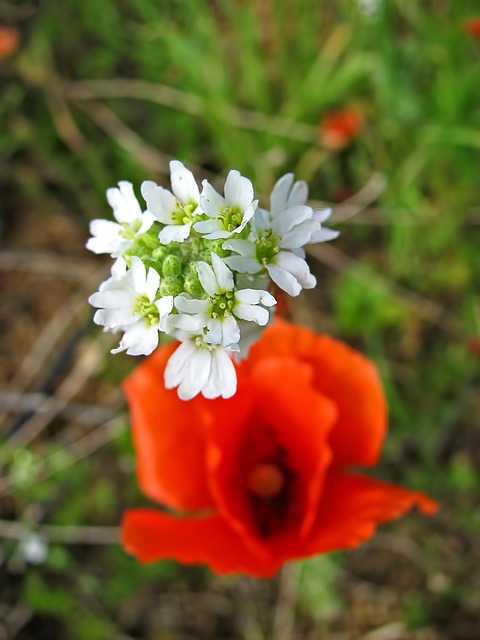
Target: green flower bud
<point>171,286</point>
<point>192,283</point>
<point>216,247</point>
<point>160,253</point>
<point>149,239</point>
<point>172,266</point>
<point>193,287</point>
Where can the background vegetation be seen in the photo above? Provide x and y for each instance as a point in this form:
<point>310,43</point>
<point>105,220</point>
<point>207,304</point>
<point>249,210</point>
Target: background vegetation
<point>94,92</point>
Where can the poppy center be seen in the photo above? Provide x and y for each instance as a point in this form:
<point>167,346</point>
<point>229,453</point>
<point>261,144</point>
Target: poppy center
<point>266,480</point>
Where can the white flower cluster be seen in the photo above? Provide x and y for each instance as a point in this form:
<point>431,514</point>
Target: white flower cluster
<point>198,267</point>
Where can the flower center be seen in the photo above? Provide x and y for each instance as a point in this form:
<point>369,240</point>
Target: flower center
<point>267,247</point>
<point>231,218</point>
<point>222,304</point>
<point>184,212</point>
<point>147,309</point>
<point>199,342</point>
<point>266,480</point>
<point>129,230</point>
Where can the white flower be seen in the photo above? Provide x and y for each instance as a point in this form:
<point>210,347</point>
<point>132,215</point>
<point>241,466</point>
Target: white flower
<point>279,236</point>
<point>33,548</point>
<point>116,237</point>
<point>285,201</point>
<point>228,214</point>
<point>127,301</point>
<point>369,7</point>
<point>176,210</point>
<point>197,366</point>
<point>225,304</point>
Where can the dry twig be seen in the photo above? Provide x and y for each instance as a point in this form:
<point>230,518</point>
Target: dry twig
<point>189,103</point>
<point>284,618</point>
<point>87,364</point>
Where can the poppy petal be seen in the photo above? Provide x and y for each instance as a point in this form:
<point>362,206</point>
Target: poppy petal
<point>353,505</point>
<point>151,535</point>
<point>168,437</point>
<point>344,376</point>
<point>281,413</point>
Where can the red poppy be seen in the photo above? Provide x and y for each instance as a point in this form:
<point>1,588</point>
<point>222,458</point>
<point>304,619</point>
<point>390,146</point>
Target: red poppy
<point>472,27</point>
<point>338,128</point>
<point>9,40</point>
<point>263,477</point>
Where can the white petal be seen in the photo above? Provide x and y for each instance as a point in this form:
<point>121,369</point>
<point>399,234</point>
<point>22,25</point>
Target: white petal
<point>218,235</point>
<point>255,296</point>
<point>289,218</point>
<point>196,374</point>
<point>299,251</point>
<point>174,233</point>
<point>223,377</point>
<point>222,273</point>
<point>252,313</point>
<point>284,279</point>
<point>147,342</point>
<point>210,201</point>
<point>184,185</point>
<point>207,278</point>
<point>174,371</point>
<point>164,305</point>
<point>300,235</point>
<point>324,235</point>
<point>238,190</point>
<point>214,334</point>
<point>105,228</point>
<point>247,216</point>
<point>280,191</point>
<point>138,275</point>
<point>186,324</point>
<point>231,331</point>
<point>113,319</point>
<point>147,220</point>
<point>243,247</point>
<point>261,220</point>
<point>139,340</point>
<point>124,203</point>
<point>190,305</point>
<point>243,265</point>
<point>298,194</point>
<point>152,284</point>
<point>114,247</point>
<point>321,215</point>
<point>160,202</point>
<point>111,299</point>
<point>119,269</point>
<point>297,267</point>
<point>207,226</point>
<point>107,237</point>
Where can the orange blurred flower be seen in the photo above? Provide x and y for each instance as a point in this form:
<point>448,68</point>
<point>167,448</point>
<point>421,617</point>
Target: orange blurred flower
<point>9,41</point>
<point>338,128</point>
<point>263,477</point>
<point>472,26</point>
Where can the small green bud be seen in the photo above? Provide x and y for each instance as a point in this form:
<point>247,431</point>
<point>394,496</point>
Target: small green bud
<point>172,266</point>
<point>149,239</point>
<point>171,286</point>
<point>160,253</point>
<point>216,247</point>
<point>193,287</point>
